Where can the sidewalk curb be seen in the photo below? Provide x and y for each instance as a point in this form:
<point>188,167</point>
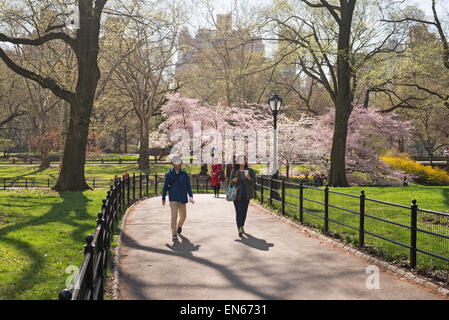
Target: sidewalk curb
<point>403,273</point>
<point>116,281</point>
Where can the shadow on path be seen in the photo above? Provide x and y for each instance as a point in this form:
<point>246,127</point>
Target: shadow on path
<point>236,281</point>
<point>185,247</point>
<point>253,242</point>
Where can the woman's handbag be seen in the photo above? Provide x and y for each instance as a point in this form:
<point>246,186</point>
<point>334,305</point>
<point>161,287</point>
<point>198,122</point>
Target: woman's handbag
<point>231,193</point>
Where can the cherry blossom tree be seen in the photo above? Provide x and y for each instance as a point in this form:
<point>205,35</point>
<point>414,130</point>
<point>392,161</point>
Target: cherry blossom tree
<point>370,134</point>
<point>298,142</point>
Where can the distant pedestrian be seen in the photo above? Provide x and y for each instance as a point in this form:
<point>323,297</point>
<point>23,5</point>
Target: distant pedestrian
<point>405,183</point>
<point>245,179</point>
<point>177,184</point>
<point>126,176</point>
<point>216,178</point>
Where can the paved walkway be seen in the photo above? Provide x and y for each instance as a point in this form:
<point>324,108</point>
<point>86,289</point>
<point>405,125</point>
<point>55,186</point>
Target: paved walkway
<point>274,261</point>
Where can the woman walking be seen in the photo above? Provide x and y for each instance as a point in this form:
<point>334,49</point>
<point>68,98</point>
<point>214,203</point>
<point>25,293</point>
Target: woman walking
<point>245,179</point>
<point>216,178</point>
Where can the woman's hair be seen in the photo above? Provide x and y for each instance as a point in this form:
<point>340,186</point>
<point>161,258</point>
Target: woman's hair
<point>238,159</point>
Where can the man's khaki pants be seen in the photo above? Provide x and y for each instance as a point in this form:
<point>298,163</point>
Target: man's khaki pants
<point>175,207</point>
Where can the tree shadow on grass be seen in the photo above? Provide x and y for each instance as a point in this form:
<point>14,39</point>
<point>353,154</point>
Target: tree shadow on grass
<point>71,211</point>
<point>17,178</point>
<point>445,192</point>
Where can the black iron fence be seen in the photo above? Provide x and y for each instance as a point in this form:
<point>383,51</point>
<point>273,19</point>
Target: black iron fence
<point>418,235</point>
<point>413,235</point>
<point>89,284</point>
<point>31,182</point>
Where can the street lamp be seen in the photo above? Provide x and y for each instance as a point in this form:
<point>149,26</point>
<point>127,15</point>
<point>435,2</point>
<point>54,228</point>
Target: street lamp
<point>275,103</point>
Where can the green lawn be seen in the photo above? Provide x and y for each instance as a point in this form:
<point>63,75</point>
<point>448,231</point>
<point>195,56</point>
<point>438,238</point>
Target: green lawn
<point>433,198</point>
<point>41,234</point>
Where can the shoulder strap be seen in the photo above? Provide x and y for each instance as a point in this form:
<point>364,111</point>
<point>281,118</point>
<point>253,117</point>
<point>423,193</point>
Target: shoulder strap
<point>176,178</point>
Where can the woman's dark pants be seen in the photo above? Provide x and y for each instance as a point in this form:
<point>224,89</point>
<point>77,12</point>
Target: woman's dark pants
<point>217,190</point>
<point>241,209</point>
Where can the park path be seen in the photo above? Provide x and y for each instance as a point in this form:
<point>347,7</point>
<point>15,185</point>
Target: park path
<point>275,260</point>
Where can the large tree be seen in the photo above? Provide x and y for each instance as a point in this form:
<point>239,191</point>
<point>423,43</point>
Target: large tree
<point>145,75</point>
<point>85,44</point>
<point>333,41</point>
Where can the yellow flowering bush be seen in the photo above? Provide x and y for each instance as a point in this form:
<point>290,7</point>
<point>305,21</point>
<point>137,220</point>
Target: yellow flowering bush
<point>423,174</point>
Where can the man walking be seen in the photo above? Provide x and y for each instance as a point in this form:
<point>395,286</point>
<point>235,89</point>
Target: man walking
<point>177,183</point>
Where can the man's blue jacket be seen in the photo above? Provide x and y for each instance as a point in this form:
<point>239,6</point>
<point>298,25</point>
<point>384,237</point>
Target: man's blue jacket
<point>179,189</point>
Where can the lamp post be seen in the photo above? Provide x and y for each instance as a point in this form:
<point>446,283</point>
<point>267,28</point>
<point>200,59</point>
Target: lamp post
<point>275,103</point>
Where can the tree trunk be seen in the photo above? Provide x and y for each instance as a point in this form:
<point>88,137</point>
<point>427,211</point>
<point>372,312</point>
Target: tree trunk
<point>125,141</point>
<point>117,142</point>
<point>343,100</point>
<point>45,160</point>
<point>71,175</point>
<point>338,155</point>
<point>144,151</point>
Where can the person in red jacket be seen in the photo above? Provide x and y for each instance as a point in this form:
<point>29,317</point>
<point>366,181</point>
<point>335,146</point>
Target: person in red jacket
<point>216,177</point>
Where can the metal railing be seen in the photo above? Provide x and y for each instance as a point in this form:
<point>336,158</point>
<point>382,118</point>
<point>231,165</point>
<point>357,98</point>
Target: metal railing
<point>89,284</point>
<point>31,182</point>
<point>417,235</point>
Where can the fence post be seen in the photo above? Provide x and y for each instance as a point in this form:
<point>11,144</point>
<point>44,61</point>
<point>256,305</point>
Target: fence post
<point>26,183</point>
<point>94,182</point>
<point>414,222</point>
<point>270,202</point>
<point>362,220</point>
<point>89,249</point>
<point>207,185</point>
<point>155,184</point>
<point>128,183</point>
<point>140,186</point>
<point>301,203</point>
<point>326,209</point>
<point>101,252</point>
<point>147,177</point>
<point>134,186</point>
<point>124,193</point>
<point>283,197</point>
<point>197,185</point>
<point>118,186</point>
<point>261,189</point>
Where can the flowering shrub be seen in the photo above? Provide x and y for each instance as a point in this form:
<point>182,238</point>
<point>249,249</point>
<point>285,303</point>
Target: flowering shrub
<point>423,174</point>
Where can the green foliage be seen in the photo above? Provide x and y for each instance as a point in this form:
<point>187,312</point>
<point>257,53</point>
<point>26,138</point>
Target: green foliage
<point>42,233</point>
<point>5,144</point>
<point>423,174</point>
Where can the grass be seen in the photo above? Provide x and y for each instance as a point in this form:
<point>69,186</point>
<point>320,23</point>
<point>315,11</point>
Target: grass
<point>41,234</point>
<point>433,198</point>
<point>99,171</point>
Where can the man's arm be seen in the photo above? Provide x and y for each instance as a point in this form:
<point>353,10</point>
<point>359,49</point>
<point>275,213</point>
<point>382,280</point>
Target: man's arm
<point>164,190</point>
<point>189,188</point>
